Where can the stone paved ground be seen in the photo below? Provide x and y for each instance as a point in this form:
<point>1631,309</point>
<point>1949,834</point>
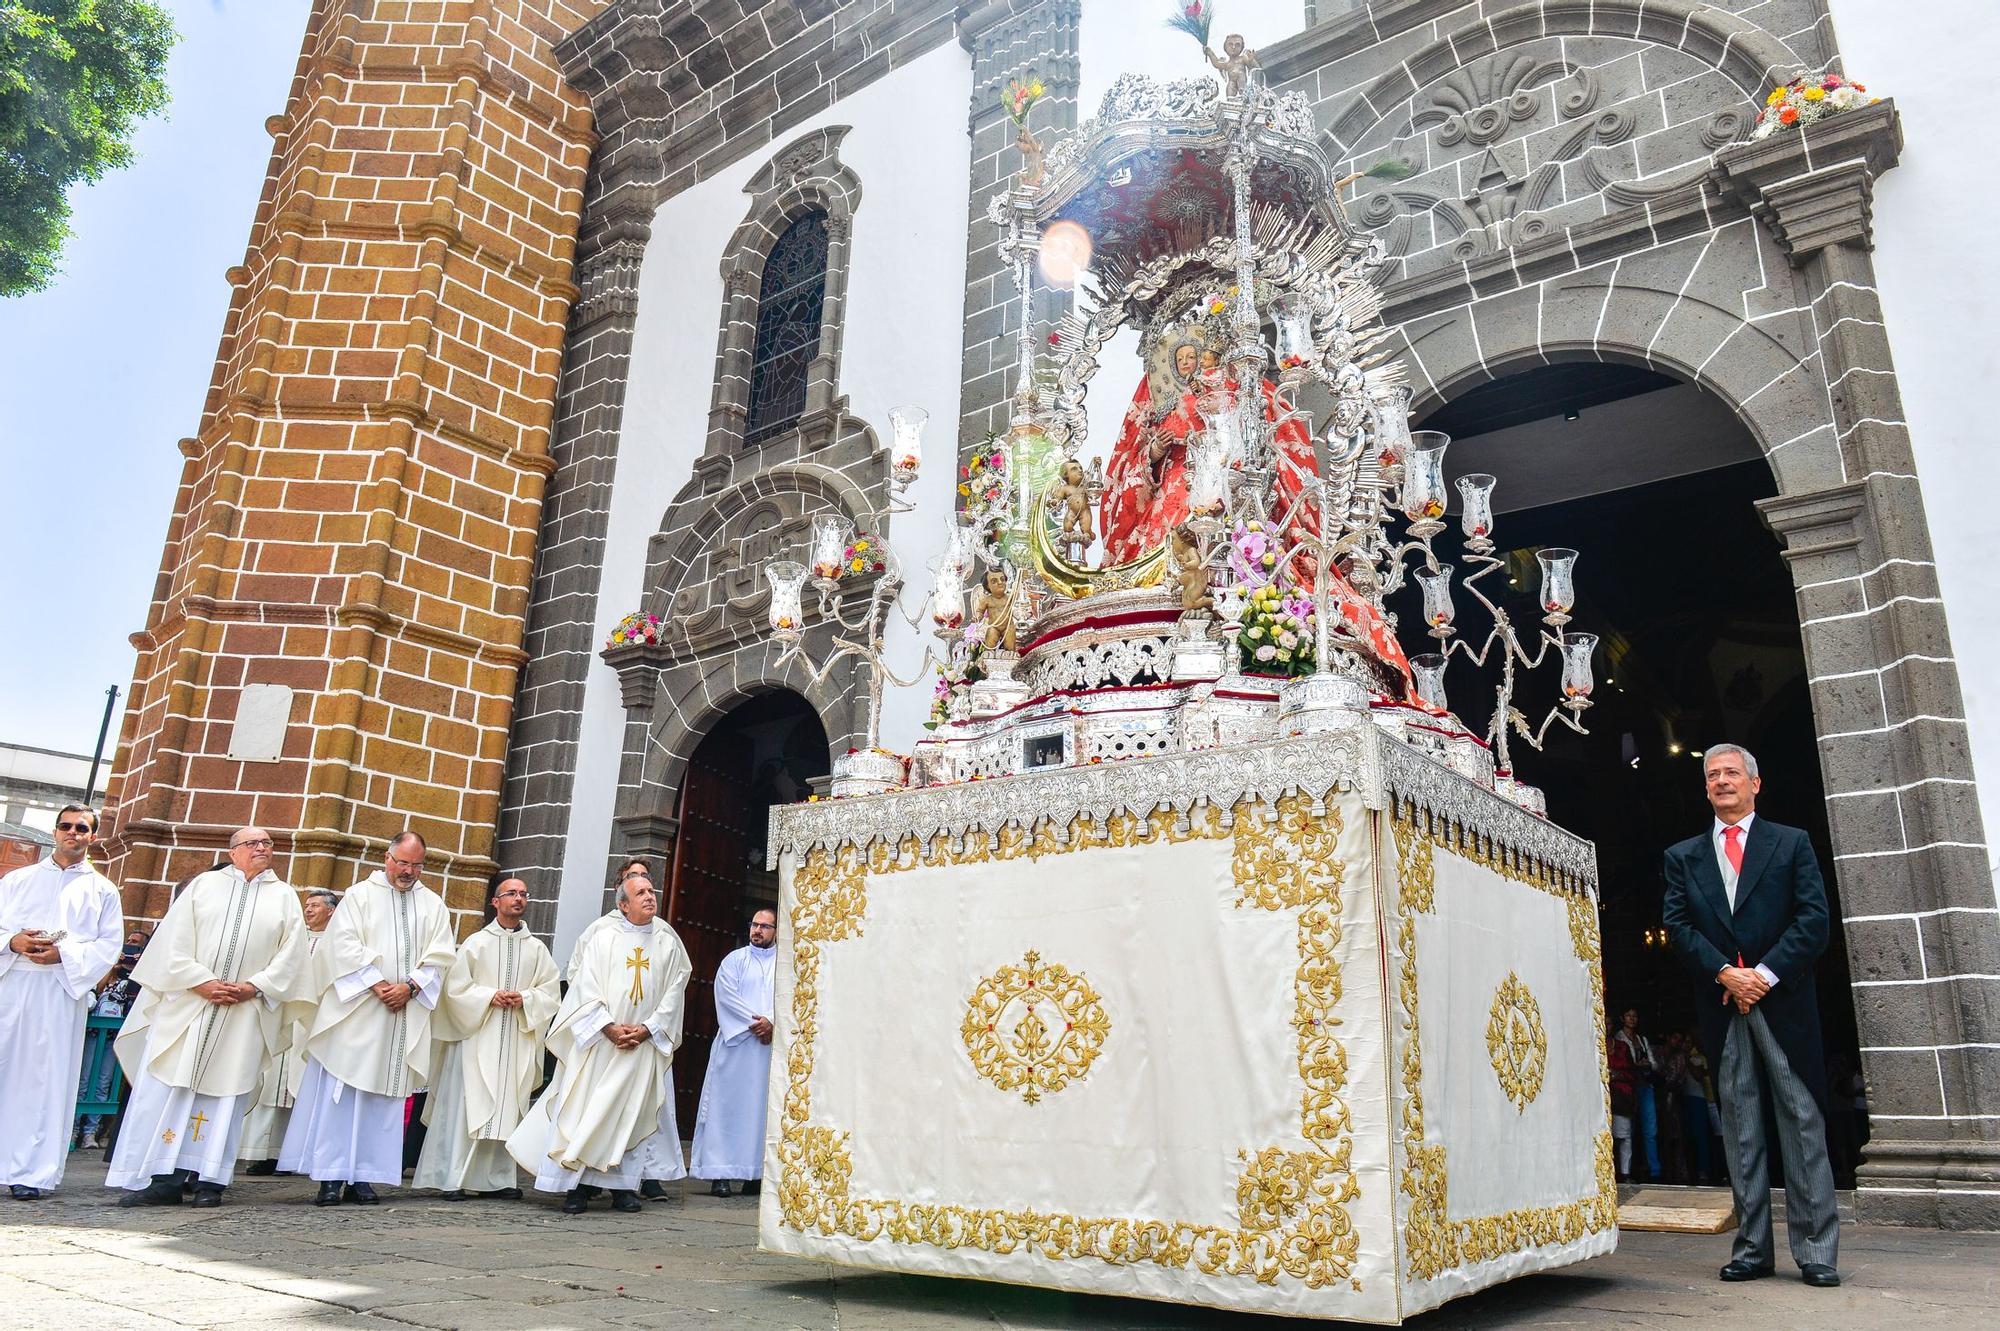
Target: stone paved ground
<point>270,1259</point>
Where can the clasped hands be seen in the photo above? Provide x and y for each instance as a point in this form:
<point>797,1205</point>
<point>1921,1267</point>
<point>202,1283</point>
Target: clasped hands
<point>36,946</point>
<point>1742,986</point>
<point>761,1028</point>
<point>506,998</point>
<point>394,996</point>
<point>626,1037</point>
<point>225,993</point>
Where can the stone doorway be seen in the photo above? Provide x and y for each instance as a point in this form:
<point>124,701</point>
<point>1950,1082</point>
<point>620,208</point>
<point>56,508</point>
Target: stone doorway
<point>764,751</point>
<point>1657,484</point>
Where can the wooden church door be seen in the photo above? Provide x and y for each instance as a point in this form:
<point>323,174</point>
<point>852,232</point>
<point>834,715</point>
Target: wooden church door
<point>705,903</point>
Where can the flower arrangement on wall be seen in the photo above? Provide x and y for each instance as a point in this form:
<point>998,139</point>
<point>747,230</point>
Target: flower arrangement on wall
<point>637,628</point>
<point>1020,95</point>
<point>1807,100</point>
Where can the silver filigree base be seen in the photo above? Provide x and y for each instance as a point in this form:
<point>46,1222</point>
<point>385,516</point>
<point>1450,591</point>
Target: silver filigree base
<point>1329,701</point>
<point>866,772</point>
<point>1197,656</point>
<point>999,690</point>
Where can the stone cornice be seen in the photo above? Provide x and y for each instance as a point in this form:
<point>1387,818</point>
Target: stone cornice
<point>1815,188</point>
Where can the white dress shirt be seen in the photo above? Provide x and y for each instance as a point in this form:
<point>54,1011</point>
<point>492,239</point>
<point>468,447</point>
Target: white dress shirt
<point>1720,844</point>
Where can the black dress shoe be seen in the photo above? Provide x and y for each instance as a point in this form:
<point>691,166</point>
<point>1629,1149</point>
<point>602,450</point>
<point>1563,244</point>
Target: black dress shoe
<point>653,1190</point>
<point>752,1188</point>
<point>162,1191</point>
<point>206,1194</point>
<point>574,1202</point>
<point>500,1195</point>
<point>590,1192</point>
<point>360,1194</point>
<point>20,1192</point>
<point>1818,1276</point>
<point>625,1200</point>
<point>329,1194</point>
<point>719,1188</point>
<point>1742,1270</point>
<point>455,1195</point>
<point>261,1167</point>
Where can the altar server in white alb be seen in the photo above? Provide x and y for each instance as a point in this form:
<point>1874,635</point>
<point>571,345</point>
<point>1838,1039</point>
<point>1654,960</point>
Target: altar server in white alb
<point>661,1160</point>
<point>729,1129</point>
<point>499,997</point>
<point>381,971</point>
<point>619,1022</point>
<point>278,1089</point>
<point>212,986</point>
<point>61,928</point>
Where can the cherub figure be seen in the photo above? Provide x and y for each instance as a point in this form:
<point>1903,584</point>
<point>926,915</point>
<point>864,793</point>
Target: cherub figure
<point>1238,64</point>
<point>1071,501</point>
<point>993,606</point>
<point>1190,571</point>
<point>1031,157</point>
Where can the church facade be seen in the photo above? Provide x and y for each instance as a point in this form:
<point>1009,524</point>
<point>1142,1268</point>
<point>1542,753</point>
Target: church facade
<point>560,311</point>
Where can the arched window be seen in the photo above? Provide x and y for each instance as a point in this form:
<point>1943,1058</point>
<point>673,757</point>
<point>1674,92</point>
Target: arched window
<point>789,305</point>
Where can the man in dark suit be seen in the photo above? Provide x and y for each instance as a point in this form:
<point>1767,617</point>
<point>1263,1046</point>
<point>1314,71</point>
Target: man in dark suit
<point>1746,908</point>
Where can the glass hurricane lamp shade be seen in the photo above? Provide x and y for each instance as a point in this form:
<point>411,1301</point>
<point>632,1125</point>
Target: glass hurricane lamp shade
<point>786,577</point>
<point>1293,319</point>
<point>1224,423</point>
<point>1428,671</point>
<point>1423,476</point>
<point>906,444</point>
<point>1577,649</point>
<point>830,536</point>
<point>1438,609</point>
<point>948,595</point>
<point>1476,517</point>
<point>1395,428</point>
<point>1558,581</point>
<point>1208,476</point>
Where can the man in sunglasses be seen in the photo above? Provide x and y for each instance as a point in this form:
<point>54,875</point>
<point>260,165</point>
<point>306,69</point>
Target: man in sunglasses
<point>60,928</point>
<point>380,973</point>
<point>227,957</point>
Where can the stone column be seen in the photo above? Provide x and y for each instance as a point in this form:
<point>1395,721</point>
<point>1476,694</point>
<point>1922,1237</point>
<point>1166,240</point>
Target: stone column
<point>1910,863</point>
<point>1008,39</point>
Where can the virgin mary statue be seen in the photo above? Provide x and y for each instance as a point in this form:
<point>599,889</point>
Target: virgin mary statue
<point>1146,484</point>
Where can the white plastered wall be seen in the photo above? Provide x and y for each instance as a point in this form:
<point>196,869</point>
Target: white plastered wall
<point>1940,282</point>
<point>904,328</point>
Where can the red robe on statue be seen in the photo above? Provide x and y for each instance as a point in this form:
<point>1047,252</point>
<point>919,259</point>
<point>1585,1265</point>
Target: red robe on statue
<point>1144,499</point>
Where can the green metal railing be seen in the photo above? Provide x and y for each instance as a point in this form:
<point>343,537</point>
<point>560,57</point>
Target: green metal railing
<point>98,1034</point>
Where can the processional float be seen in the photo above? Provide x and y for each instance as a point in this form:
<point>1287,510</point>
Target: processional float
<point>1200,952</point>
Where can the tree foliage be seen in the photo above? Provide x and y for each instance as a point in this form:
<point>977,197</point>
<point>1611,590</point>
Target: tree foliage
<point>76,77</point>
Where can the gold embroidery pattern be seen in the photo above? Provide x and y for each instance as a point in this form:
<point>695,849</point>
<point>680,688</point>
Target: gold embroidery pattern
<point>1034,1028</point>
<point>1435,1243</point>
<point>1292,1205</point>
<point>1516,1042</point>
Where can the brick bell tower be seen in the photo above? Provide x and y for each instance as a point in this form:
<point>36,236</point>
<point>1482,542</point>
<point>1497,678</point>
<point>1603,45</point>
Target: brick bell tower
<point>335,632</point>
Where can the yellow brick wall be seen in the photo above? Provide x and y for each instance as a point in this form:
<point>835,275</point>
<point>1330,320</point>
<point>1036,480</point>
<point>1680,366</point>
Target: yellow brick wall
<point>357,511</point>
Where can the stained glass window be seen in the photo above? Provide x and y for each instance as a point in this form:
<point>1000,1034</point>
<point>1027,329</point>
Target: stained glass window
<point>788,317</point>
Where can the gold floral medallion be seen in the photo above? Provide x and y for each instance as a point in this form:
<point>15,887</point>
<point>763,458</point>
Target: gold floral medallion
<point>1034,1028</point>
<point>1516,1042</point>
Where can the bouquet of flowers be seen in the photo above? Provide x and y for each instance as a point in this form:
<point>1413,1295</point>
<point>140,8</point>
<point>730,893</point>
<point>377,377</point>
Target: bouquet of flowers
<point>863,555</point>
<point>1279,624</point>
<point>1020,95</point>
<point>958,675</point>
<point>1193,17</point>
<point>637,627</point>
<point>1807,99</point>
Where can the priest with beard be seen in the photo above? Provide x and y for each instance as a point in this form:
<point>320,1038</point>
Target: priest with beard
<point>729,1128</point>
<point>499,996</point>
<point>212,986</point>
<point>618,1026</point>
<point>264,1127</point>
<point>381,971</point>
<point>60,928</point>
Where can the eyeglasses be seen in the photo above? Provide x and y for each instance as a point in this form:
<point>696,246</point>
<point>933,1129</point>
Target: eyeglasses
<point>406,864</point>
<point>74,827</point>
<point>261,843</point>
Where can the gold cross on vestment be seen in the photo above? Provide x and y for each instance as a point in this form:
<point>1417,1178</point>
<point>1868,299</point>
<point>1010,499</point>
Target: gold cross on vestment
<point>636,963</point>
<point>168,1136</point>
<point>196,1123</point>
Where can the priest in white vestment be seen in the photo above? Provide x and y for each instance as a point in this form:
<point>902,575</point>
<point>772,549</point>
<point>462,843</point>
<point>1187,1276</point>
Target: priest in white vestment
<point>278,1089</point>
<point>661,1159</point>
<point>60,930</point>
<point>499,997</point>
<point>619,1023</point>
<point>729,1128</point>
<point>212,987</point>
<point>381,970</point>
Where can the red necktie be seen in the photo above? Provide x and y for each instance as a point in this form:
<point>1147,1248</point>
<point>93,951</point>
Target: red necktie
<point>1732,846</point>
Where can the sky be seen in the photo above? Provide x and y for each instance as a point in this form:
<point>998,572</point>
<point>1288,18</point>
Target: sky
<point>101,374</point>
